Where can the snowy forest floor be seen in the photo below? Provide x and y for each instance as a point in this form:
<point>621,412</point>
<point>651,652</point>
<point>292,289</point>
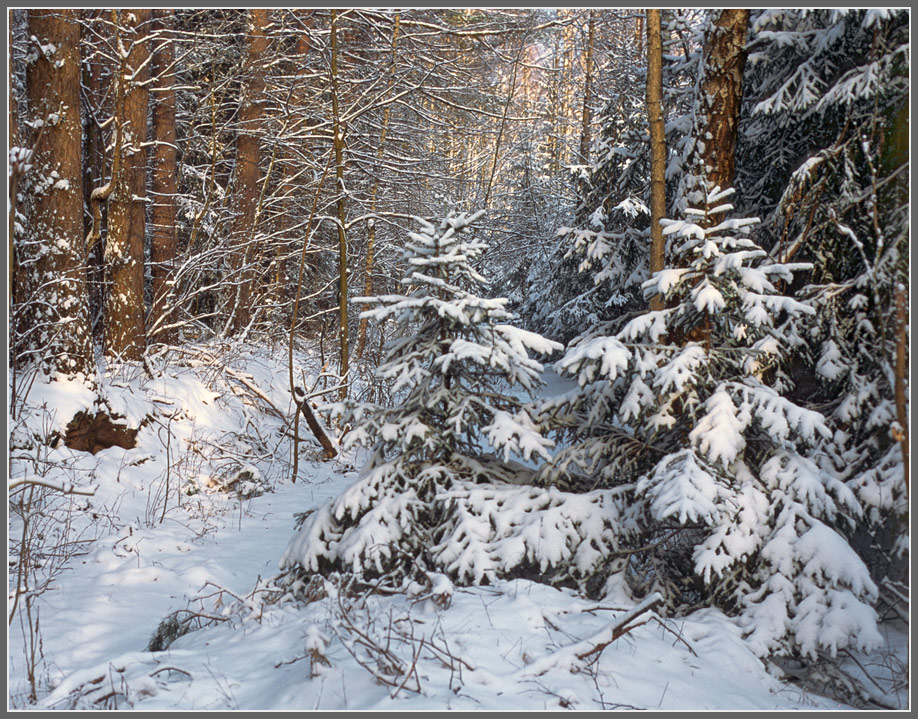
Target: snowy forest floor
<point>190,524</point>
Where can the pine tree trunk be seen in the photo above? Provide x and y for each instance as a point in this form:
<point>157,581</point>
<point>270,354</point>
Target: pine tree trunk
<point>58,323</point>
<point>97,79</point>
<point>585,120</point>
<point>901,390</point>
<point>657,145</point>
<point>724,61</point>
<point>124,334</point>
<point>721,97</point>
<point>639,33</point>
<point>341,210</point>
<point>163,176</point>
<point>246,184</point>
<point>17,169</point>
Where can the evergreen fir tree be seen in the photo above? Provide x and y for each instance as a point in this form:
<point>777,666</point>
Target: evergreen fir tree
<point>451,371</point>
<point>684,401</point>
<point>824,157</point>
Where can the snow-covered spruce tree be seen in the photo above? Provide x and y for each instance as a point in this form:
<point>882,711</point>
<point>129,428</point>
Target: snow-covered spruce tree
<point>433,496</point>
<point>679,410</point>
<point>824,154</point>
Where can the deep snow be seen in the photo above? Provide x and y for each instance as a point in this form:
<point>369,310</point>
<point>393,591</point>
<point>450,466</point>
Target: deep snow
<point>148,550</point>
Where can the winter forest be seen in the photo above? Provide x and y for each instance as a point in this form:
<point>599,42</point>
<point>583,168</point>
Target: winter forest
<point>458,359</point>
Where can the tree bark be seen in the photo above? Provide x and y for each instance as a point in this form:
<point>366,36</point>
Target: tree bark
<point>17,169</point>
<point>58,323</point>
<point>98,71</point>
<point>639,33</point>
<point>657,145</point>
<point>341,211</point>
<point>585,120</point>
<point>901,390</point>
<point>124,332</point>
<point>724,62</point>
<point>246,183</point>
<point>163,175</point>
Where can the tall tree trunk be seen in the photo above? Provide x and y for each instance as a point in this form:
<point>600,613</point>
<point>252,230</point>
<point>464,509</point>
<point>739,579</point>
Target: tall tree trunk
<point>585,121</point>
<point>98,69</point>
<point>94,87</point>
<point>58,322</point>
<point>639,32</point>
<point>657,145</point>
<point>163,175</point>
<point>246,183</point>
<point>18,166</point>
<point>901,372</point>
<point>724,61</point>
<point>341,210</point>
<point>718,126</point>
<point>292,165</point>
<point>554,109</point>
<point>374,194</point>
<point>124,334</point>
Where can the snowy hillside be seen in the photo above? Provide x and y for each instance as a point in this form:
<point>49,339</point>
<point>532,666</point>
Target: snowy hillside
<point>157,590</point>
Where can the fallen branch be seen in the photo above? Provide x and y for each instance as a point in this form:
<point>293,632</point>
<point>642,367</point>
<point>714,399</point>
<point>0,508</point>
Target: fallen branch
<point>608,635</point>
<point>171,669</point>
<point>678,636</point>
<point>617,634</point>
<point>65,488</point>
<point>568,657</point>
<point>329,447</point>
<point>391,670</point>
<point>248,383</point>
<point>302,403</point>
